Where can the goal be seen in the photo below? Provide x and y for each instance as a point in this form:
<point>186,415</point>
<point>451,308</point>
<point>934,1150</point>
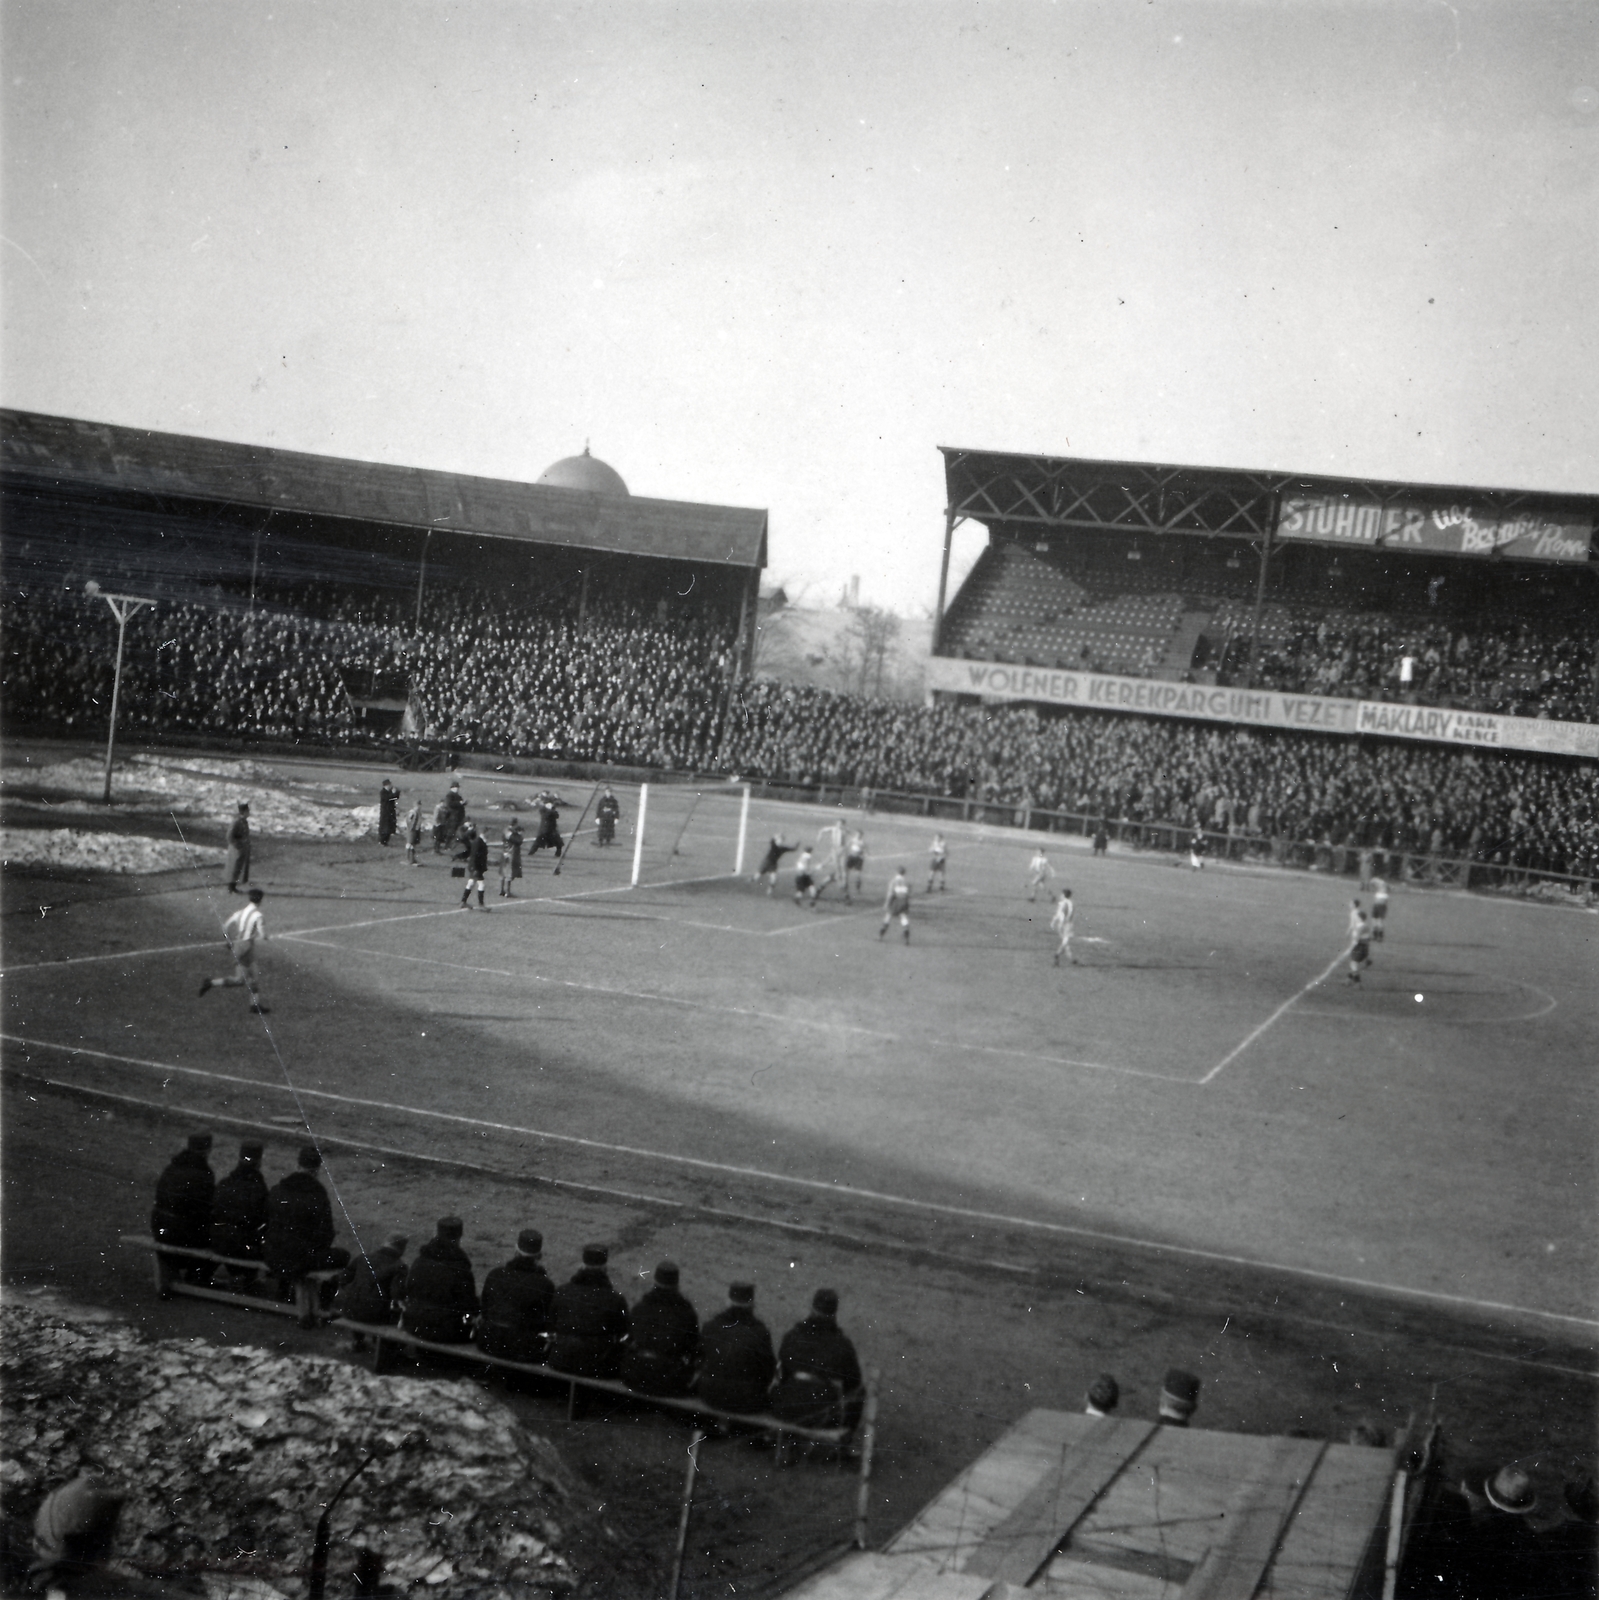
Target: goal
<point>686,833</point>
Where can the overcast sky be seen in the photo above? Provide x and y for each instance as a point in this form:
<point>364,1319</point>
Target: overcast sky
<point>775,254</point>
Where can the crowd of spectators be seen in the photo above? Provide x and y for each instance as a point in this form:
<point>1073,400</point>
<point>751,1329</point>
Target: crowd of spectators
<point>625,683</point>
<point>1509,668</point>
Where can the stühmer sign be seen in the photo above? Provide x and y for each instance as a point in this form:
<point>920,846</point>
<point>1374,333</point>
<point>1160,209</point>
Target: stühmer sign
<point>1456,530</point>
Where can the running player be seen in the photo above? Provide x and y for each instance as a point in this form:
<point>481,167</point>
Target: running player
<point>937,856</point>
<point>804,883</point>
<point>776,848</point>
<point>1379,908</point>
<point>897,903</point>
<point>242,930</point>
<point>854,862</point>
<point>1039,871</point>
<point>1061,925</point>
<point>1359,941</point>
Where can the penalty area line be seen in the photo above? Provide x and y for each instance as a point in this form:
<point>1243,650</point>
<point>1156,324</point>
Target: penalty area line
<point>1293,1000</point>
<point>822,1186</point>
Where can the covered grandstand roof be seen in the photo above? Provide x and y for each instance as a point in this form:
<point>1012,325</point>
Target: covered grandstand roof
<point>995,487</point>
<point>64,455</point>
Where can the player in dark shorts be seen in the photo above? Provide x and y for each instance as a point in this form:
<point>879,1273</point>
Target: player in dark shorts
<point>854,862</point>
<point>1359,941</point>
<point>776,849</point>
<point>804,883</point>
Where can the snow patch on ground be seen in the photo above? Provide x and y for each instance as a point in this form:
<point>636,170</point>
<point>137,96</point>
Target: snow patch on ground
<point>99,852</point>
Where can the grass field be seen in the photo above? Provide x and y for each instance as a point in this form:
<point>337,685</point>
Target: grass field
<point>1202,1084</point>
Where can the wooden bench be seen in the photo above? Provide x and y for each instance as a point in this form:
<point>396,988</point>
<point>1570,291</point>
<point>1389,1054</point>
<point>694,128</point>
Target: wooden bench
<point>306,1305</point>
<point>787,1433</point>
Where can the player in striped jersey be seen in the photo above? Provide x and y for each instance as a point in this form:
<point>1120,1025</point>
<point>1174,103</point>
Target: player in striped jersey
<point>897,903</point>
<point>242,931</point>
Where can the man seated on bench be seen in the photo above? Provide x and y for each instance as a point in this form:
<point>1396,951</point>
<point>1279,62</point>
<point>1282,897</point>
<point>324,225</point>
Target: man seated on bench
<point>514,1323</point>
<point>818,1373</point>
<point>239,1211</point>
<point>588,1320</point>
<point>663,1341</point>
<point>182,1211</point>
<point>440,1294</point>
<point>374,1285</point>
<point>299,1230</point>
<point>736,1359</point>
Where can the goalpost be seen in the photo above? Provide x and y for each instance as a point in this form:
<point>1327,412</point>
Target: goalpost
<point>684,833</point>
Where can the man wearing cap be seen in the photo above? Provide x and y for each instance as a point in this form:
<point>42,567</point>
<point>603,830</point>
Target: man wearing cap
<point>239,1209</point>
<point>1104,1395</point>
<point>818,1373</point>
<point>477,867</point>
<point>374,1285</point>
<point>515,1320</point>
<point>736,1358</point>
<point>299,1230</point>
<point>388,811</point>
<point>440,1293</point>
<point>1179,1398</point>
<point>182,1213</point>
<point>238,861</point>
<point>588,1320</point>
<point>663,1340</point>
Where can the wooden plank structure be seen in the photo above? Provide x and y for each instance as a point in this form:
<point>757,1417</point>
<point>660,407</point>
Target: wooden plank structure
<point>1102,1508</point>
<point>305,1305</point>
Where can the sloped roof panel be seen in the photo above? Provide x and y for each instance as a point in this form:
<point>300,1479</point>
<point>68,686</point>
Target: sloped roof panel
<point>65,453</point>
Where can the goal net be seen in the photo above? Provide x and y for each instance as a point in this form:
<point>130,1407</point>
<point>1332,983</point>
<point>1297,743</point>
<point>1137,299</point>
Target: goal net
<point>686,833</point>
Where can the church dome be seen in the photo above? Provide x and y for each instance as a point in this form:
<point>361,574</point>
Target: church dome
<point>584,472</point>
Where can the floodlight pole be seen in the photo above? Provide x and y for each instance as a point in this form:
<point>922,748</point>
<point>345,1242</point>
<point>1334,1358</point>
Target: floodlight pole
<point>122,607</point>
<point>1260,601</point>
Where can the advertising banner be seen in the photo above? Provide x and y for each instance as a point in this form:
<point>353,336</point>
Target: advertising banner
<point>1454,530</point>
<point>1101,691</point>
<point>1259,708</point>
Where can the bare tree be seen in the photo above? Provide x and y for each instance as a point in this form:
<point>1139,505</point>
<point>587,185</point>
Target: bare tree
<point>868,642</point>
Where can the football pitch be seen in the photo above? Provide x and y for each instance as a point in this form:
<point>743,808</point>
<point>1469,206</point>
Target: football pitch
<point>1201,1085</point>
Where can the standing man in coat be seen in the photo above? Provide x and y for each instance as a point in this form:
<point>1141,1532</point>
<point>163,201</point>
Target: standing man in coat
<point>440,1294</point>
<point>607,814</point>
<point>510,857</point>
<point>515,1319</point>
<point>663,1342</point>
<point>238,862</point>
<point>588,1320</point>
<point>477,866</point>
<point>388,811</point>
<point>818,1373</point>
<point>182,1213</point>
<point>299,1230</point>
<point>736,1361</point>
<point>239,1209</point>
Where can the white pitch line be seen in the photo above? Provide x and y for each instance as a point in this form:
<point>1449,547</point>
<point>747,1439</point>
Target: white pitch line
<point>935,1207</point>
<point>114,955</point>
<point>1250,1037</point>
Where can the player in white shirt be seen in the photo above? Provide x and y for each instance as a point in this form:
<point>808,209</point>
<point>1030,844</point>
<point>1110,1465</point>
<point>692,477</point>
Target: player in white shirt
<point>854,862</point>
<point>1359,941</point>
<point>243,930</point>
<point>1379,908</point>
<point>937,855</point>
<point>897,903</point>
<point>804,883</point>
<point>1061,926</point>
<point>1039,872</point>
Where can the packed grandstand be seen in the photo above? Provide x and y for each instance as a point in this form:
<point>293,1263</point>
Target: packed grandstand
<point>513,653</point>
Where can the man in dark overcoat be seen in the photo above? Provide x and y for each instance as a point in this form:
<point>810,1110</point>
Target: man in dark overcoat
<point>515,1319</point>
<point>373,1285</point>
<point>818,1373</point>
<point>238,861</point>
<point>182,1211</point>
<point>588,1320</point>
<point>607,813</point>
<point>549,835</point>
<point>388,811</point>
<point>736,1358</point>
<point>299,1230</point>
<point>663,1341</point>
<point>441,1294</point>
<point>477,864</point>
<point>239,1208</point>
